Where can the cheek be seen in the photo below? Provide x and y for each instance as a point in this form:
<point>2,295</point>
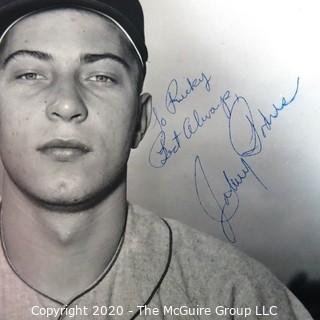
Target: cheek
<point>117,125</point>
<point>12,145</point>
<point>15,126</point>
<point>17,113</point>
<point>123,132</point>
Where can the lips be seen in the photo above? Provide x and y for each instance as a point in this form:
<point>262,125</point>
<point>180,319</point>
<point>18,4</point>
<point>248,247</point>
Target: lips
<point>64,150</point>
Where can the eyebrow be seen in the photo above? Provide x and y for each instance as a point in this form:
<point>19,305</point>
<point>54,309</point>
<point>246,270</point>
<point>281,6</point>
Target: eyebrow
<point>86,58</point>
<point>31,53</point>
<point>92,58</point>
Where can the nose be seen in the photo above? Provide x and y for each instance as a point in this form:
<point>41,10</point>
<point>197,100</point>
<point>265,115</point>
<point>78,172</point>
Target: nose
<point>67,105</point>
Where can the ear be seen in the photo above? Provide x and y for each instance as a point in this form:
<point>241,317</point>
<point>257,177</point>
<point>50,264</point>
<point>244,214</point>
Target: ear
<point>143,119</point>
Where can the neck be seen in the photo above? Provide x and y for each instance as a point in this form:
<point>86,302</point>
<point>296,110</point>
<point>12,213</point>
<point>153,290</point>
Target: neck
<point>53,251</point>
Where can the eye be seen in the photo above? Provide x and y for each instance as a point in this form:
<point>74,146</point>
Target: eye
<point>102,79</point>
<point>31,76</point>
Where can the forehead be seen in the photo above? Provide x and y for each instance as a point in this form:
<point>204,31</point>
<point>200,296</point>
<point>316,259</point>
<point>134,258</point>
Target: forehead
<point>66,31</point>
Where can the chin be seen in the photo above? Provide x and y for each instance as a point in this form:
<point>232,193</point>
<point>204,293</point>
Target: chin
<point>68,202</point>
<point>73,192</point>
<point>65,197</point>
<point>61,194</point>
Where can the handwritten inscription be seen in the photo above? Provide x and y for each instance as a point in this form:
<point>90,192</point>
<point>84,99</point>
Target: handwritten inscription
<point>231,200</point>
<point>175,95</point>
<point>246,134</point>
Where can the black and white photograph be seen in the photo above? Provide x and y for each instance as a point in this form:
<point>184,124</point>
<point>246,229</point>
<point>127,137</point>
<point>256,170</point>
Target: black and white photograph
<point>159,160</point>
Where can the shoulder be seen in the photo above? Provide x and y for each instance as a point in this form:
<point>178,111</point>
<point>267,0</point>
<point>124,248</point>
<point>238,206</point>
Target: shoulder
<point>194,250</point>
<point>207,270</point>
<point>210,261</point>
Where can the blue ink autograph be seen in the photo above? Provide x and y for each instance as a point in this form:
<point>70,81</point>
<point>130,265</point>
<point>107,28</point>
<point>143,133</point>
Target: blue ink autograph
<point>160,153</point>
<point>247,143</point>
<point>164,148</point>
<point>175,95</point>
<point>256,133</point>
<point>231,200</point>
<point>167,144</point>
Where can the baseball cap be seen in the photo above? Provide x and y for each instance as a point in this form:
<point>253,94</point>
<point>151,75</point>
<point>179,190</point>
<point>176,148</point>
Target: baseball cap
<point>126,14</point>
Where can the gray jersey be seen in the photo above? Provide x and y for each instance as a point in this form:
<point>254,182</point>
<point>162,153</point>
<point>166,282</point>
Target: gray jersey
<point>162,270</point>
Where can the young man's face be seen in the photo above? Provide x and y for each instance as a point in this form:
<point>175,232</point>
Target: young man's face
<point>69,105</point>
